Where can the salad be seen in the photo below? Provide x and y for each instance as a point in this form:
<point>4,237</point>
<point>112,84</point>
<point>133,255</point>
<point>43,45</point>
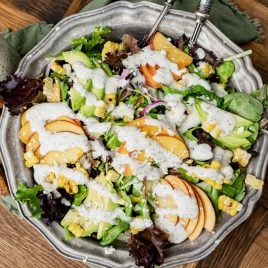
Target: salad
<point>145,145</point>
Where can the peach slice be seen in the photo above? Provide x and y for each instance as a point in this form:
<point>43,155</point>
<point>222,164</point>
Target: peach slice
<point>173,145</point>
<point>139,155</point>
<point>148,72</point>
<point>155,131</point>
<point>64,126</point>
<point>25,133</point>
<point>33,143</point>
<point>66,118</point>
<point>128,171</point>
<point>71,156</point>
<point>139,122</point>
<point>174,54</point>
<point>23,119</point>
<point>201,221</point>
<point>167,202</point>
<point>210,217</point>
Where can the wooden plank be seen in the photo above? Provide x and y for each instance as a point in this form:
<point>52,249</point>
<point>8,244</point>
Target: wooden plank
<point>14,18</point>
<point>232,250</point>
<point>22,246</point>
<point>264,198</point>
<point>255,257</point>
<point>49,11</point>
<point>258,9</point>
<point>75,7</point>
<point>262,238</point>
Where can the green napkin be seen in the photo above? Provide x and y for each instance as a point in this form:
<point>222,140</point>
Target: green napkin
<point>224,14</point>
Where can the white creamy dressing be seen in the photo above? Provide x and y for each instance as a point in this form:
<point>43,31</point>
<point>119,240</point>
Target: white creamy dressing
<point>177,232</point>
<point>42,171</point>
<point>98,215</point>
<point>175,114</point>
<point>153,57</point>
<point>98,128</point>
<point>194,79</point>
<point>192,117</point>
<point>97,75</point>
<point>38,115</point>
<point>201,152</point>
<point>123,110</point>
<point>140,169</point>
<point>202,172</point>
<point>136,141</point>
<point>186,207</point>
<point>200,52</point>
<point>224,157</point>
<point>225,121</point>
<point>219,89</point>
<point>91,99</point>
<point>103,191</point>
<point>149,121</point>
<point>140,224</point>
<point>98,150</point>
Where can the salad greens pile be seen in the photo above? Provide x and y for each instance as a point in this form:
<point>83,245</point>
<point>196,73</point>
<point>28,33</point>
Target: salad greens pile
<point>197,116</point>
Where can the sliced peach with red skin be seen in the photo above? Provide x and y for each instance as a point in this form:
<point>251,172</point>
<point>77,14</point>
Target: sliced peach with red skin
<point>71,156</point>
<point>155,131</point>
<point>66,118</point>
<point>25,132</point>
<point>148,72</point>
<point>201,220</point>
<point>173,145</point>
<point>210,217</point>
<point>64,126</point>
<point>33,143</point>
<point>174,54</point>
<point>139,155</point>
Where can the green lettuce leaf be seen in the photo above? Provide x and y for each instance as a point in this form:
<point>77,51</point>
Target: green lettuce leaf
<point>195,91</point>
<point>225,70</point>
<point>244,105</point>
<point>81,195</point>
<point>87,44</point>
<point>28,195</point>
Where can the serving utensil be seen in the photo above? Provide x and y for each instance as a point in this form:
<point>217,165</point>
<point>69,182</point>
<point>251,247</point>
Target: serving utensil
<point>167,6</point>
<point>201,16</point>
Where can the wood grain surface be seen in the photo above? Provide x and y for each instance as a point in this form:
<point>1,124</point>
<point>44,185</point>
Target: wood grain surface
<point>22,246</point>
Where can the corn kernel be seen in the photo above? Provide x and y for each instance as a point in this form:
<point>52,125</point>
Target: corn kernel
<point>112,175</point>
<point>213,183</point>
<point>110,98</point>
<point>57,68</point>
<point>100,111</point>
<point>228,181</point>
<point>76,229</point>
<point>207,126</point>
<point>112,47</point>
<point>241,157</point>
<point>215,164</point>
<point>215,132</point>
<point>229,205</point>
<point>30,159</point>
<point>254,182</point>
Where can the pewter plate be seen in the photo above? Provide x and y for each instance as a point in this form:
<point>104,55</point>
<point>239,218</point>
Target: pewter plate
<point>135,19</point>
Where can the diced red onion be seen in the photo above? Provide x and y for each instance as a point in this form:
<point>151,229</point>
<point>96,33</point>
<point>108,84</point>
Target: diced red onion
<point>151,106</point>
<point>124,74</point>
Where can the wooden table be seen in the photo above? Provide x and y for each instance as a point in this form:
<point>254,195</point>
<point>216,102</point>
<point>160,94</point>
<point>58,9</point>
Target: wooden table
<point>21,246</point>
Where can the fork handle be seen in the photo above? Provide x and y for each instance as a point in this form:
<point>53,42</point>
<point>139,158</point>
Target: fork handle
<point>203,10</point>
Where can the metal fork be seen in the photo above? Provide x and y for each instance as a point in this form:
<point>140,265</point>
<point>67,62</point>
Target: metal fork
<point>201,16</point>
<point>167,6</point>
